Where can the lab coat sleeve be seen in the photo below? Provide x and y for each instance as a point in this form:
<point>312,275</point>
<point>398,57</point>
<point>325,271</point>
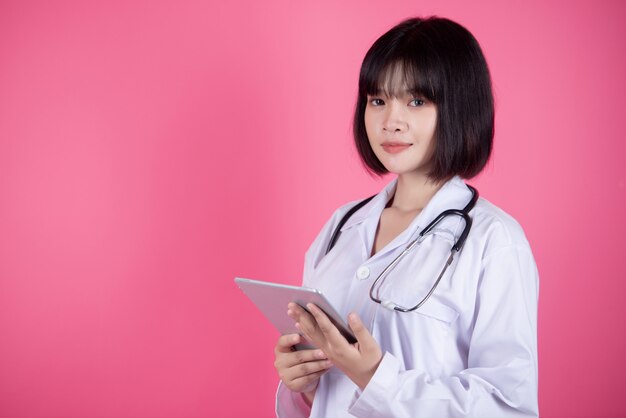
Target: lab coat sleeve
<point>501,375</point>
<point>290,404</point>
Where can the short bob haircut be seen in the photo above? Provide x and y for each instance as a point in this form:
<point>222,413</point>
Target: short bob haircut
<point>442,62</point>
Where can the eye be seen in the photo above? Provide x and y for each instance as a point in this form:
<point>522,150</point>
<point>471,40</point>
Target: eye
<point>376,101</point>
<point>416,102</point>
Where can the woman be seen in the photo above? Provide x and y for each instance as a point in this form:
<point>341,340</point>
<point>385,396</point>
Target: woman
<point>437,336</point>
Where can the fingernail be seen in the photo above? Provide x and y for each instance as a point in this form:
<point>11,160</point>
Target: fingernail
<point>320,354</point>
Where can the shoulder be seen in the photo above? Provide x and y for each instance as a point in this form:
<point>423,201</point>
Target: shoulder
<point>500,256</point>
<point>340,214</point>
<point>318,248</point>
<point>495,230</point>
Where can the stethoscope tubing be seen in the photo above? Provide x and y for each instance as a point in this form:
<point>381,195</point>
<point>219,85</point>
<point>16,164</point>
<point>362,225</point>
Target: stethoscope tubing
<point>456,248</point>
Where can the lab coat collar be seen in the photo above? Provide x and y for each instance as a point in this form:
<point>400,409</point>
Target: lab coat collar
<point>454,194</point>
<point>374,207</point>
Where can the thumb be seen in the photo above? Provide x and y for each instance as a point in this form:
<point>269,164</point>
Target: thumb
<point>363,336</point>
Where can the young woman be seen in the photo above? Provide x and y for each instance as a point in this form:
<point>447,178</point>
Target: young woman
<point>439,287</point>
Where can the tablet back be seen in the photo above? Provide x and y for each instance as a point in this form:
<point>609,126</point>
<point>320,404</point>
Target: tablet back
<point>272,300</point>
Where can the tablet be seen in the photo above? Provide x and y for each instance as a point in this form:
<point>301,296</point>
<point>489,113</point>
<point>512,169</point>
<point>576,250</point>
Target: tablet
<point>272,300</point>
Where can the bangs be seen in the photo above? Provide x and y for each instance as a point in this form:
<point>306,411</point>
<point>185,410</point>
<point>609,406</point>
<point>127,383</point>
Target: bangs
<point>397,78</point>
<point>438,60</point>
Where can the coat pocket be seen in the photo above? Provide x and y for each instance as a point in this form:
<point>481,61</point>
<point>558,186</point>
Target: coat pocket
<point>437,310</point>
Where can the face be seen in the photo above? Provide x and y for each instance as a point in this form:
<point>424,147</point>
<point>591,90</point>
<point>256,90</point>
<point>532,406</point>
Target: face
<point>401,131</point>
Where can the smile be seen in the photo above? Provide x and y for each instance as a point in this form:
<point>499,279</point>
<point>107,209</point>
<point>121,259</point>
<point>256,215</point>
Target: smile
<point>395,147</point>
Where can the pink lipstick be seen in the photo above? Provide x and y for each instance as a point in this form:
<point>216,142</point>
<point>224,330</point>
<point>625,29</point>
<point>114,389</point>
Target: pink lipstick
<point>395,147</point>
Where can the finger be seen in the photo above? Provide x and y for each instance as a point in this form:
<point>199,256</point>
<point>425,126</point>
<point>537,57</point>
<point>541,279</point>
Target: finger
<point>362,334</point>
<point>305,383</point>
<point>306,323</point>
<point>303,374</point>
<point>289,373</point>
<point>286,342</point>
<point>293,306</point>
<point>296,312</point>
<point>312,367</point>
<point>295,358</point>
<point>300,316</point>
<point>311,333</point>
<point>304,331</point>
<point>329,330</point>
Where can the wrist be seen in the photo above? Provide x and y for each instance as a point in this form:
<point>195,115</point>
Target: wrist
<point>364,378</point>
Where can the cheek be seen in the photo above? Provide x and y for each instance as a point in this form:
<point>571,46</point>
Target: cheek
<point>433,124</point>
<point>433,130</point>
<point>427,127</point>
<point>369,125</point>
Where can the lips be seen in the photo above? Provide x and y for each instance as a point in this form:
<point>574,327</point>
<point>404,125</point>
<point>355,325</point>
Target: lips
<point>395,147</point>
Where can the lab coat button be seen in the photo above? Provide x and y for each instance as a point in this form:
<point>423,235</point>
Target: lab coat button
<point>363,273</point>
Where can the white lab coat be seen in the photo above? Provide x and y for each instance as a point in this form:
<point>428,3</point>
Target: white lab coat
<point>470,350</point>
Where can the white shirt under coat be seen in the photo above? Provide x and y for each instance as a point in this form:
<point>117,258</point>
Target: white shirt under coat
<point>469,351</point>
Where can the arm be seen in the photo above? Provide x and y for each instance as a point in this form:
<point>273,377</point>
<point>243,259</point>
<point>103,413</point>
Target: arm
<point>358,361</point>
<point>292,401</point>
<point>500,379</point>
<point>299,372</point>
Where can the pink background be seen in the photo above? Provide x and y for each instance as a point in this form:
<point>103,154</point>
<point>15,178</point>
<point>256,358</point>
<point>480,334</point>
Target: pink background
<point>152,151</point>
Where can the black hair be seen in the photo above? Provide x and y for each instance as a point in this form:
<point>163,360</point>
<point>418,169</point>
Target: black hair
<point>443,62</point>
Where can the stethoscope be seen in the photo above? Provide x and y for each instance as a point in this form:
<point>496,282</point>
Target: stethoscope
<point>375,288</point>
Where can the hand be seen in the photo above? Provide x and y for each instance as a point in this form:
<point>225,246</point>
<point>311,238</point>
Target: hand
<point>358,361</point>
<point>299,370</point>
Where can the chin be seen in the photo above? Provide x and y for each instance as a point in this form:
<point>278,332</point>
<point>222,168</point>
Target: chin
<point>400,171</point>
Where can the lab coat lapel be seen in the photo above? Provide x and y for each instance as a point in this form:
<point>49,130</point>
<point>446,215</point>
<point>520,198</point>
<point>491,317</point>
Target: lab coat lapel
<point>373,208</point>
<point>454,194</point>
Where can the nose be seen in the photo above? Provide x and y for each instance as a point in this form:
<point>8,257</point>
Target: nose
<point>395,119</point>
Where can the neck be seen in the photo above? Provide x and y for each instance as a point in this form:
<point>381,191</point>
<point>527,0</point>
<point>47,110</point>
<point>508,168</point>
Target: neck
<point>413,192</point>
